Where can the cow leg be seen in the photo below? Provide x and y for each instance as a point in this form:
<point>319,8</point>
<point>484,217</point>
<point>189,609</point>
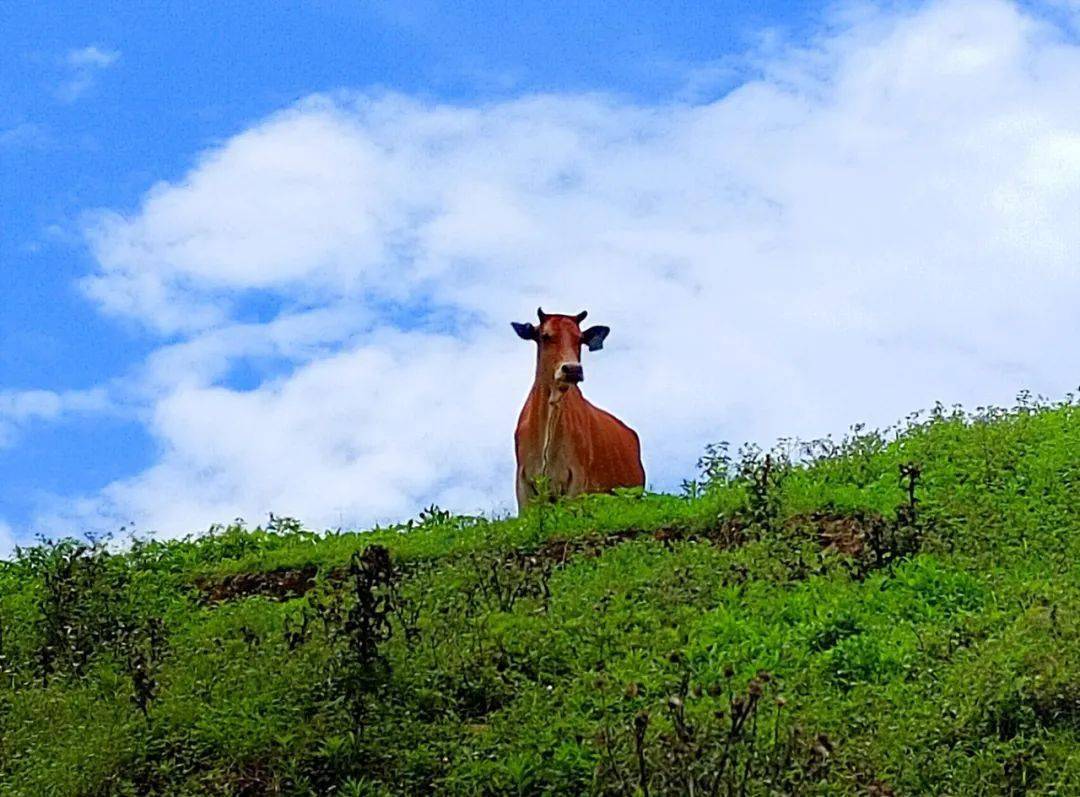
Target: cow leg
<point>524,490</point>
<point>573,486</point>
<point>527,489</point>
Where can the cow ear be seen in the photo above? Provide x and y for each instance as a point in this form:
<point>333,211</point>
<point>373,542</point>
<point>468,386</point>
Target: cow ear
<point>525,331</point>
<point>593,337</point>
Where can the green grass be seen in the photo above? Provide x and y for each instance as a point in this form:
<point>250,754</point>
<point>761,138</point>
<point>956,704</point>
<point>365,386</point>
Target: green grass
<point>625,644</point>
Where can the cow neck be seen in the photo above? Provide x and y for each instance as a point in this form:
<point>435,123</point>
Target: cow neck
<point>551,402</point>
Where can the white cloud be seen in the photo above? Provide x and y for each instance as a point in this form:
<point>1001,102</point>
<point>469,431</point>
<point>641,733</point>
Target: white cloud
<point>92,56</point>
<point>883,219</point>
<point>7,541</point>
<point>21,407</point>
<point>83,65</point>
<point>367,434</point>
<point>24,135</point>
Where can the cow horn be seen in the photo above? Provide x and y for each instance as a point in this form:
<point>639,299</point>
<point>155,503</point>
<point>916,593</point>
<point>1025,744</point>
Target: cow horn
<point>581,316</point>
<point>541,314</point>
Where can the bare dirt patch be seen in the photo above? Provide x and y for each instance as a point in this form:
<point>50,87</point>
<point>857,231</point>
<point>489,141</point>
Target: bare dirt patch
<point>846,532</point>
<point>561,549</point>
<point>287,583</point>
<point>280,585</point>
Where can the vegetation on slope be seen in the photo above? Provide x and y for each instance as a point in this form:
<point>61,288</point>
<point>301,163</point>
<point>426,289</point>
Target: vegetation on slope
<point>893,613</point>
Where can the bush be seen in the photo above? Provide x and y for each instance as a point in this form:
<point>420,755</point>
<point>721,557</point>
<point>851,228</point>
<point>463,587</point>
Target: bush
<point>894,612</point>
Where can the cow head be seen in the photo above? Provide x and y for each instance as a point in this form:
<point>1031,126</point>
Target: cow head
<point>559,340</point>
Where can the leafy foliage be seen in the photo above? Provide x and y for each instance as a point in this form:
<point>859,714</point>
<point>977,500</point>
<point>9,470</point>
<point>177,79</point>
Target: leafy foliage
<point>895,612</point>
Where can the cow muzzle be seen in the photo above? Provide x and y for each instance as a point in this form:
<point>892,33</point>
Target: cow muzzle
<point>570,373</point>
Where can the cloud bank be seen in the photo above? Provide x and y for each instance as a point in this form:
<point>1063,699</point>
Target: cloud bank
<point>881,218</point>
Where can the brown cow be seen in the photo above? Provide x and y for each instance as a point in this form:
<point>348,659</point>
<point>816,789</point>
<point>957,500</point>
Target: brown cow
<point>561,438</point>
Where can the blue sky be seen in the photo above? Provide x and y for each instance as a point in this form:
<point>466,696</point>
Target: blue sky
<point>186,75</point>
<point>189,74</point>
<point>109,106</point>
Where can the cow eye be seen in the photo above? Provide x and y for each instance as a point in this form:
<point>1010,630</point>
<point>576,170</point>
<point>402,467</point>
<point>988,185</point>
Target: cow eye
<point>547,337</point>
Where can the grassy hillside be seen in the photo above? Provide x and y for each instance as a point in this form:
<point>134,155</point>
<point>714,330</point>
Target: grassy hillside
<point>894,613</point>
